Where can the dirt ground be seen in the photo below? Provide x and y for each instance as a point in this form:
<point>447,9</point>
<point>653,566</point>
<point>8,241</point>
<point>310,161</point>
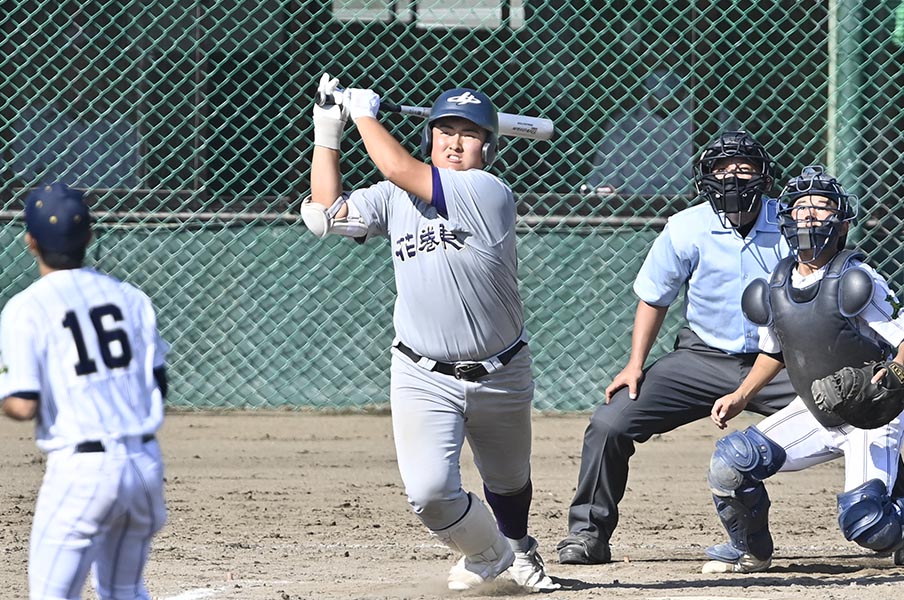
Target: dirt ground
<point>285,506</point>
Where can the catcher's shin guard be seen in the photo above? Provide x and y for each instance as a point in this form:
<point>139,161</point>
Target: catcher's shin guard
<point>745,517</point>
<point>869,517</point>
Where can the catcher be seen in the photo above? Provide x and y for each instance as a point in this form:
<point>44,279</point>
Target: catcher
<point>823,315</point>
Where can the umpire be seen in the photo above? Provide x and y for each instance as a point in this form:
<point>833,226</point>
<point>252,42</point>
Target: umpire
<point>712,251</point>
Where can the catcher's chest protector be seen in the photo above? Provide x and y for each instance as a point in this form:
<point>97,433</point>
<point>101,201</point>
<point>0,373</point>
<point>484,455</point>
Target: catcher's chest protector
<point>817,339</point>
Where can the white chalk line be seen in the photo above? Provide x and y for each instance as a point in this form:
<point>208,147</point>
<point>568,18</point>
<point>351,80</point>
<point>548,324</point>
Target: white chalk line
<point>208,592</point>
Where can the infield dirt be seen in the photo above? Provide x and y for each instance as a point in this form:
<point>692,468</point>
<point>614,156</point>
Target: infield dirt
<point>292,505</point>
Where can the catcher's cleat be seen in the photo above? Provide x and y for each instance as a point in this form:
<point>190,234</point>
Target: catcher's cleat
<point>899,556</point>
<point>581,550</point>
<point>529,570</point>
<point>728,559</point>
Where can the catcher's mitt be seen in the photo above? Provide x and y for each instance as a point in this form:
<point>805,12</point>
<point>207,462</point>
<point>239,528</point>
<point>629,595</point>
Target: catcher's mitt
<point>850,394</point>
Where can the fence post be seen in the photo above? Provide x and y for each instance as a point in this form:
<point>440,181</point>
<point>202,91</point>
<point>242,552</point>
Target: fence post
<point>845,106</point>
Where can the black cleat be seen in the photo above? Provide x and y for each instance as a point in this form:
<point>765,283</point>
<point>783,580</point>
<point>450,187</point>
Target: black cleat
<point>579,550</point>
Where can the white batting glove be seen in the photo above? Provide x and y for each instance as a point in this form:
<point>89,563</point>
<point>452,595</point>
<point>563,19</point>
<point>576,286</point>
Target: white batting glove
<point>361,103</point>
<point>329,120</point>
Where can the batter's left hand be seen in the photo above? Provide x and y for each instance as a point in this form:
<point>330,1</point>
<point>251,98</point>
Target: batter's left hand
<point>361,103</point>
<point>727,408</point>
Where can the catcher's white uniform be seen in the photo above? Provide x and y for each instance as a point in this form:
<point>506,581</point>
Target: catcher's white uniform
<point>85,345</point>
<point>869,454</point>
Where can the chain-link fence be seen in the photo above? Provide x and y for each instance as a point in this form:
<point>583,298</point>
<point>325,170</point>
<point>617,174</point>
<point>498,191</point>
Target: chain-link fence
<point>190,123</point>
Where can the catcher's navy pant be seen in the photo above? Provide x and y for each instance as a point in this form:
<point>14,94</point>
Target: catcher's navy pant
<point>677,389</point>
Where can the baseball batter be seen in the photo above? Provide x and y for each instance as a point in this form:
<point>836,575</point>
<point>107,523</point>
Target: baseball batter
<point>80,352</point>
<point>461,367</point>
<point>822,309</point>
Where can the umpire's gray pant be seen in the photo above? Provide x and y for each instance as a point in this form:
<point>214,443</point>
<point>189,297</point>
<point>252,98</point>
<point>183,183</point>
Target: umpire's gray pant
<point>677,389</point>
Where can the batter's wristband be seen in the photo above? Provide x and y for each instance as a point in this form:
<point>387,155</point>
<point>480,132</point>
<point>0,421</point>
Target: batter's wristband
<point>328,132</point>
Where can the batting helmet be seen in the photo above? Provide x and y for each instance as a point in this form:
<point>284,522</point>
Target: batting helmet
<point>809,233</point>
<point>728,192</point>
<point>468,104</point>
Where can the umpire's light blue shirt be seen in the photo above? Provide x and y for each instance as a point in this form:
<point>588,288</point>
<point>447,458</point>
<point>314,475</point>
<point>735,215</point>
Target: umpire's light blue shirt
<point>714,264</point>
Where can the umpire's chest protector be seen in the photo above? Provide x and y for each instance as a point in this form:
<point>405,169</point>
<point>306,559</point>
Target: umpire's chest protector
<point>815,325</point>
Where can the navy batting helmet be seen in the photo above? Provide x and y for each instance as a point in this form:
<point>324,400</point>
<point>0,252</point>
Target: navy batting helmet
<point>729,193</point>
<point>797,219</point>
<point>468,104</point>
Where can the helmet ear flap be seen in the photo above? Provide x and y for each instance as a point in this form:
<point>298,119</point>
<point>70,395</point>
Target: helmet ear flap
<point>489,151</point>
<point>427,141</point>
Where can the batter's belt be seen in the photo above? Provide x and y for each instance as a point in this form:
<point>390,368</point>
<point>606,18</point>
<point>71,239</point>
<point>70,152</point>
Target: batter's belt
<point>467,370</point>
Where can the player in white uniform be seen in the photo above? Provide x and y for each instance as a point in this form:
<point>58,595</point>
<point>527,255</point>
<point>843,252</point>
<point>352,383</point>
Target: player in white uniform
<point>822,309</point>
<point>461,368</point>
<point>81,354</point>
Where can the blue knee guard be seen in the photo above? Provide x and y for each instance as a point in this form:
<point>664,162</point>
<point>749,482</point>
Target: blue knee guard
<point>743,458</point>
<point>869,517</point>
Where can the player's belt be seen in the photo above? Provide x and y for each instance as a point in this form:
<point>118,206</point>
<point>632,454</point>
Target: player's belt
<point>469,371</point>
<point>97,446</point>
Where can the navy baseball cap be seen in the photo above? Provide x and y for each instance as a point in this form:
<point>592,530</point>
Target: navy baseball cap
<point>57,218</point>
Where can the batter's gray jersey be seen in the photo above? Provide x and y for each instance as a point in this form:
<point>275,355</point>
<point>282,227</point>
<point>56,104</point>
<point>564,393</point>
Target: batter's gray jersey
<point>88,344</point>
<point>456,277</point>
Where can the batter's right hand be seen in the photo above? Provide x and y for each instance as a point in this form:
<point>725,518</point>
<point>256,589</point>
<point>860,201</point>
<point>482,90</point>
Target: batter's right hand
<point>630,377</point>
<point>329,117</point>
<point>327,94</point>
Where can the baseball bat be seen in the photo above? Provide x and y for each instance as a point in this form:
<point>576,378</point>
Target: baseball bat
<point>531,128</point>
<point>510,125</point>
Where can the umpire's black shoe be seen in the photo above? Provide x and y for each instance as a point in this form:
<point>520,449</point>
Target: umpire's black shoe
<point>580,550</point>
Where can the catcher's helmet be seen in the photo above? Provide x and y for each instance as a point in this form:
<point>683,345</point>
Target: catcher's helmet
<point>729,193</point>
<point>468,104</point>
<point>803,231</point>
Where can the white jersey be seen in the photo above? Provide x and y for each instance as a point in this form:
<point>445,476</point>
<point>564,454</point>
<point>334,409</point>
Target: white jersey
<point>879,321</point>
<point>86,344</point>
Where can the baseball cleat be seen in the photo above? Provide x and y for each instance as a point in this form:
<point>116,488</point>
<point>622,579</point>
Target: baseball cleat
<point>729,559</point>
<point>471,571</point>
<point>529,570</point>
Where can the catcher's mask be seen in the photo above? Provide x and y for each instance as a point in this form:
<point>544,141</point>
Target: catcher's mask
<point>813,208</point>
<point>468,104</point>
<point>733,193</point>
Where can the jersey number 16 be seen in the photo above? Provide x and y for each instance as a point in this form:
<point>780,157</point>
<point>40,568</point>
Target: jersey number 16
<point>105,338</point>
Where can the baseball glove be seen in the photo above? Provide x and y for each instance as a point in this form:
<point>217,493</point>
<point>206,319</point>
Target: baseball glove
<point>850,394</point>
